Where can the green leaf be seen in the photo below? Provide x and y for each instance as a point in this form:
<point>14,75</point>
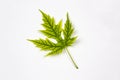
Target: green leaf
<point>54,31</point>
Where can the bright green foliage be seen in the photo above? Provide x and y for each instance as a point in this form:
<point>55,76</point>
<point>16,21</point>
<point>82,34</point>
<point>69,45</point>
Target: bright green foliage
<point>54,30</point>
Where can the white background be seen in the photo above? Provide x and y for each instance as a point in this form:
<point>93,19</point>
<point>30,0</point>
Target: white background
<point>97,52</point>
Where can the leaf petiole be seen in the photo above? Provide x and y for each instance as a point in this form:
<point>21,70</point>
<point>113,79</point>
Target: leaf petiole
<point>71,58</point>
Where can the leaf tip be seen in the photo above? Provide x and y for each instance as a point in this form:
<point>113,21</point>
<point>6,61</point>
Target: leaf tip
<point>67,15</point>
<point>46,55</point>
<point>28,39</point>
<point>41,12</point>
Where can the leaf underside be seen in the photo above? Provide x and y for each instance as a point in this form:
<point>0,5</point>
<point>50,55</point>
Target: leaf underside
<point>54,30</point>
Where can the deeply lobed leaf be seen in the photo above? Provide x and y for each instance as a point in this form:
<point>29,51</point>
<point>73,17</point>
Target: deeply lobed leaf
<point>53,30</point>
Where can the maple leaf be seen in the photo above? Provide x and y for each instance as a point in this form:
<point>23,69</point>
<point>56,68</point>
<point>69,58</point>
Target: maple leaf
<point>54,31</point>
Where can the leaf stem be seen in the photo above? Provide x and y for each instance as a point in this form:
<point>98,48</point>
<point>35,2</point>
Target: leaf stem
<point>71,58</point>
